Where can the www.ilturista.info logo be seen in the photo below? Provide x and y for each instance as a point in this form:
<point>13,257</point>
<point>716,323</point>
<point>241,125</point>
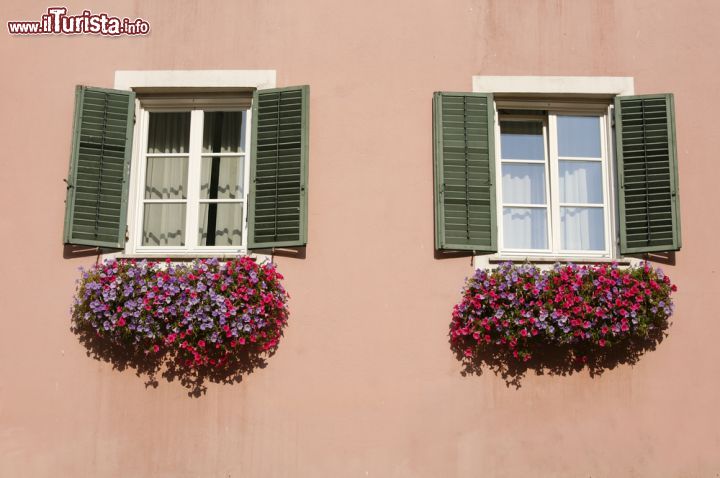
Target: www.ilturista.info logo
<point>58,22</point>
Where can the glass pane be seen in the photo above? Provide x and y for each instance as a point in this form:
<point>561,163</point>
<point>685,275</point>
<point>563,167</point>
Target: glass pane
<point>223,132</point>
<point>582,228</point>
<point>525,228</point>
<point>522,140</point>
<point>220,224</point>
<point>222,178</point>
<point>166,178</point>
<point>169,132</point>
<point>164,225</point>
<point>581,182</point>
<point>579,136</point>
<point>523,183</point>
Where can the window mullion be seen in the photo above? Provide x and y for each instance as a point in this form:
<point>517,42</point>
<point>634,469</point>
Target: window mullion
<point>498,180</point>
<point>605,168</point>
<point>247,147</point>
<point>139,193</point>
<point>553,183</point>
<point>194,165</point>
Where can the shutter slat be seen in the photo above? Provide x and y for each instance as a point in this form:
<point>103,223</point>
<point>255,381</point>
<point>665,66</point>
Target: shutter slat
<point>647,169</point>
<point>96,204</point>
<point>465,217</point>
<point>277,201</point>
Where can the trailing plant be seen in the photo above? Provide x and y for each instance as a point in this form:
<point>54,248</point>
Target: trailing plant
<point>519,307</point>
<point>196,314</point>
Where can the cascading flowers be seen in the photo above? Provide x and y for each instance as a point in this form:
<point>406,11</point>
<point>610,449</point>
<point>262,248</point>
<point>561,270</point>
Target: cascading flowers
<point>200,313</point>
<point>516,307</point>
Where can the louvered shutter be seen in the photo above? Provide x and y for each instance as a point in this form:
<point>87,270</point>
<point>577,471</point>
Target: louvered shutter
<point>278,171</point>
<point>647,173</point>
<point>465,215</point>
<point>97,184</point>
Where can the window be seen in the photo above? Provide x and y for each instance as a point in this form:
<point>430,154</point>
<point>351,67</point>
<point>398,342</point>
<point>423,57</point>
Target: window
<point>554,183</point>
<point>525,168</point>
<point>189,163</point>
<point>194,175</point>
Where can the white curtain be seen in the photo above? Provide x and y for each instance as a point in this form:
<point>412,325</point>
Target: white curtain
<point>582,228</point>
<point>230,178</point>
<point>169,133</point>
<point>232,132</point>
<point>525,228</point>
<point>523,183</point>
<point>166,178</point>
<point>164,224</point>
<point>228,224</point>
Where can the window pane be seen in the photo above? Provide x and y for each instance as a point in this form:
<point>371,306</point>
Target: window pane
<point>579,136</point>
<point>169,132</point>
<point>164,225</point>
<point>222,178</point>
<point>223,132</point>
<point>166,178</point>
<point>525,228</point>
<point>523,183</point>
<point>582,228</point>
<point>522,140</point>
<point>220,224</point>
<point>581,182</point>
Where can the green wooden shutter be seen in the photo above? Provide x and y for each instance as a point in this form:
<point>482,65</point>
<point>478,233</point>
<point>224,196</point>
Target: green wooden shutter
<point>97,184</point>
<point>465,215</point>
<point>647,174</point>
<point>277,202</point>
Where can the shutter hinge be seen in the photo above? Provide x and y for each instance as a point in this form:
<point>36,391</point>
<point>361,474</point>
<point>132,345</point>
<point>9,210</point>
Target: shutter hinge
<point>67,184</point>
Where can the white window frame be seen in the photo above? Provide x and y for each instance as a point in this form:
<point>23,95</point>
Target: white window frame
<point>197,80</point>
<point>514,90</point>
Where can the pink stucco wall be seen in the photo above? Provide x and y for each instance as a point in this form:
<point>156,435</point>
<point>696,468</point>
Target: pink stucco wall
<point>364,382</point>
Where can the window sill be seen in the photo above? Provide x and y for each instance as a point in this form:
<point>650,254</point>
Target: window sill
<point>546,262</point>
<point>178,257</point>
<point>554,260</point>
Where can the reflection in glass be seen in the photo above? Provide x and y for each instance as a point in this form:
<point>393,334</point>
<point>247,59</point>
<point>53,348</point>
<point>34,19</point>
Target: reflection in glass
<point>525,228</point>
<point>522,140</point>
<point>220,224</point>
<point>169,133</point>
<point>164,225</point>
<point>579,136</point>
<point>523,183</point>
<point>582,228</point>
<point>166,178</point>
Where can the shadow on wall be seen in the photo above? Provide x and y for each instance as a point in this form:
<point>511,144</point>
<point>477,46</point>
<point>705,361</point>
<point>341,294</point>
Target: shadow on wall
<point>554,359</point>
<point>153,367</point>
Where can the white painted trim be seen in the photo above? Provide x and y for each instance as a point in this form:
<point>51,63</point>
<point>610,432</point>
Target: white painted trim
<point>588,85</point>
<point>129,80</point>
<point>259,79</point>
